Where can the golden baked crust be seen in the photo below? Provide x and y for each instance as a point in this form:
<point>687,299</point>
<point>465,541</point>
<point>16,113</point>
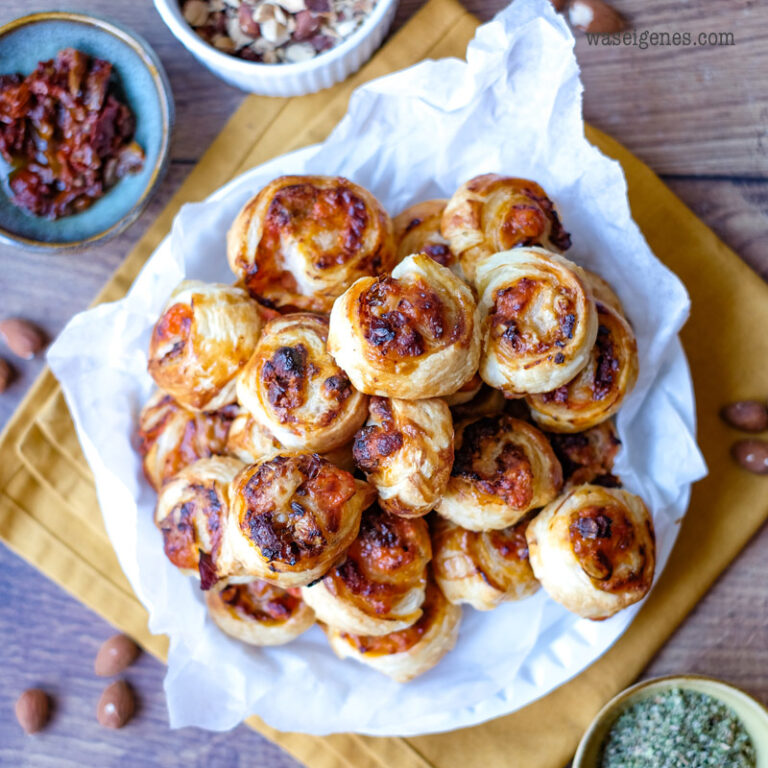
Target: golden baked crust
<point>539,321</point>
<point>303,240</point>
<point>593,550</point>
<point>587,457</point>
<point>482,568</point>
<point>492,213</point>
<point>203,338</point>
<point>379,587</point>
<point>465,393</point>
<point>294,389</point>
<point>410,652</point>
<point>406,453</point>
<point>192,511</point>
<point>603,292</point>
<point>250,442</point>
<point>291,518</point>
<point>503,468</point>
<point>599,389</point>
<point>411,335</point>
<point>259,613</point>
<point>417,230</point>
<point>172,437</point>
<point>487,402</point>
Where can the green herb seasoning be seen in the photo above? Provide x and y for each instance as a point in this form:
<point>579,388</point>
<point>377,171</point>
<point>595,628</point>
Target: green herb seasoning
<point>678,729</point>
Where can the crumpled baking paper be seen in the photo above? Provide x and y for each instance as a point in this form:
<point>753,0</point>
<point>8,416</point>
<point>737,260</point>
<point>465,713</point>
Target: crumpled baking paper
<point>513,107</point>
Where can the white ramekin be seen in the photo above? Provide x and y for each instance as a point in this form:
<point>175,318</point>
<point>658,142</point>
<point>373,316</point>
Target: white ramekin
<point>295,79</point>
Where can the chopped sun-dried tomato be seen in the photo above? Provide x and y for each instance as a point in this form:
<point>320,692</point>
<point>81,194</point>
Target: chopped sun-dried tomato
<point>66,134</point>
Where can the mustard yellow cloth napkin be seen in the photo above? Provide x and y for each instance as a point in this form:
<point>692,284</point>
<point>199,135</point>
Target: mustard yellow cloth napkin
<point>49,512</point>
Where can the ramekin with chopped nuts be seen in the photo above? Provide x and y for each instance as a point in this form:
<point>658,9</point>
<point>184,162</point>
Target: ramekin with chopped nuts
<point>316,42</point>
<point>275,31</point>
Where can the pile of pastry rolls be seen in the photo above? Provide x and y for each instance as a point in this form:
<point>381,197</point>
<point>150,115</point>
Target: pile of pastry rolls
<point>383,420</point>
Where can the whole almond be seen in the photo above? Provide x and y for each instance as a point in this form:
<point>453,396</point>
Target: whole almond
<point>33,709</point>
<point>22,338</point>
<point>595,16</point>
<point>752,455</point>
<point>116,705</point>
<point>6,374</point>
<point>746,415</point>
<point>115,655</point>
<point>195,12</point>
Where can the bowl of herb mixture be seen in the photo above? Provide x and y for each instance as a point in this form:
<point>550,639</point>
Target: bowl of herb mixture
<point>677,722</point>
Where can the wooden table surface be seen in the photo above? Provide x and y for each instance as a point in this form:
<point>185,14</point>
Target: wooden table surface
<point>697,115</point>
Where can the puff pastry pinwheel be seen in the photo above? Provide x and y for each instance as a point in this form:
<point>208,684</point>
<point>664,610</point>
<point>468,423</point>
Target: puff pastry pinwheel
<point>379,587</point>
<point>292,517</point>
<point>417,230</point>
<point>599,389</point>
<point>468,391</point>
<point>593,550</point>
<point>172,437</point>
<point>487,402</point>
<point>409,652</point>
<point>192,511</point>
<point>250,442</point>
<point>412,335</point>
<point>492,213</point>
<point>259,613</point>
<point>503,468</point>
<point>294,389</point>
<point>539,321</point>
<point>204,337</point>
<point>302,240</point>
<point>406,453</point>
<point>603,292</point>
<point>484,568</point>
<point>587,457</point>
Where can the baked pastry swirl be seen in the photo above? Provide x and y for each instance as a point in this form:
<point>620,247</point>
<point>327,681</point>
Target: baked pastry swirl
<point>417,230</point>
<point>492,213</point>
<point>466,393</point>
<point>599,389</point>
<point>503,468</point>
<point>294,389</point>
<point>484,568</point>
<point>593,550</point>
<point>487,402</point>
<point>172,437</point>
<point>411,335</point>
<point>204,337</point>
<point>303,240</point>
<point>250,442</point>
<point>406,453</point>
<point>539,321</point>
<point>603,292</point>
<point>409,652</point>
<point>587,457</point>
<point>192,511</point>
<point>379,587</point>
<point>291,518</point>
<point>259,613</point>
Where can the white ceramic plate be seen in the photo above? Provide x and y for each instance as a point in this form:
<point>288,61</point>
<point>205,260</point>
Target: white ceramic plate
<point>408,137</point>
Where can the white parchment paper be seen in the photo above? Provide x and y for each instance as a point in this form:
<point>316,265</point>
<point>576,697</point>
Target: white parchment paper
<point>513,107</point>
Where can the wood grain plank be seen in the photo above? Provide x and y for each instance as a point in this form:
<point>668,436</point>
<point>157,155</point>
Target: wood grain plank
<point>686,110</point>
<point>50,641</point>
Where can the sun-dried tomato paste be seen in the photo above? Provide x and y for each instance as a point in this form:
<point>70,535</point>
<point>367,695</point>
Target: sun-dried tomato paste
<point>66,134</point>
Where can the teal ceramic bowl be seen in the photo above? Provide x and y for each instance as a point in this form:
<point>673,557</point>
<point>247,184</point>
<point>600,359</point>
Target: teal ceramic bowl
<point>144,87</point>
